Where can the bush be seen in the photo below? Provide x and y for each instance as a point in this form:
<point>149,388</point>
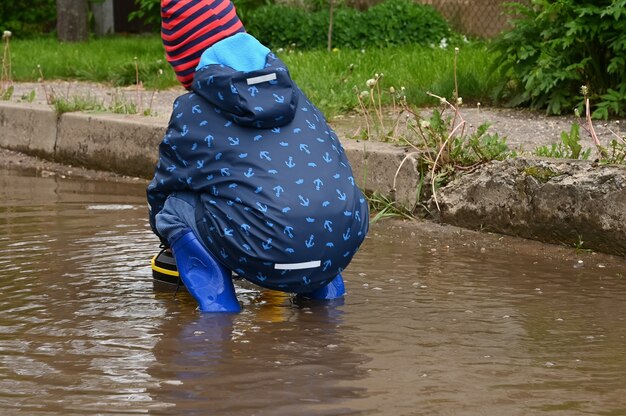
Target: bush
<point>38,17</point>
<point>394,22</point>
<point>555,48</point>
<point>280,25</point>
<point>150,10</point>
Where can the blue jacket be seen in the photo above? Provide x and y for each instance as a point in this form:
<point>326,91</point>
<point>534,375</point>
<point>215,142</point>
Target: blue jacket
<point>278,203</point>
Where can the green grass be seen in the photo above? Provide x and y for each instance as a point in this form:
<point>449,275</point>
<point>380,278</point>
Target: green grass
<point>109,60</point>
<point>329,79</point>
<point>329,82</point>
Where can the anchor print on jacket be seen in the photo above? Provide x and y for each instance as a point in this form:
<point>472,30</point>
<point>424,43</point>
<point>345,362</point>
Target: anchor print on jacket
<point>278,204</point>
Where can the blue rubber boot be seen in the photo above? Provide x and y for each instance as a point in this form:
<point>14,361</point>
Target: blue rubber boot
<point>209,282</point>
<point>333,290</point>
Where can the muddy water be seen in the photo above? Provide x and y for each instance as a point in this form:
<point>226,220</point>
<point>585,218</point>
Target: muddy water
<point>437,321</point>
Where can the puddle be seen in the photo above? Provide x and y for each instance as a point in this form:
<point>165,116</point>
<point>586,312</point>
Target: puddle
<point>437,321</point>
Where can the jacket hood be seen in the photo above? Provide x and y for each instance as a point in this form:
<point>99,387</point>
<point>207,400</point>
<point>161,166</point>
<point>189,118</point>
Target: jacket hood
<point>264,98</point>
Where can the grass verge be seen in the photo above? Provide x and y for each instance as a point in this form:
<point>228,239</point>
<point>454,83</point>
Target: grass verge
<point>328,78</point>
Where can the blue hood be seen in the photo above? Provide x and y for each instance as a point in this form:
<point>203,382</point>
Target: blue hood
<point>261,98</point>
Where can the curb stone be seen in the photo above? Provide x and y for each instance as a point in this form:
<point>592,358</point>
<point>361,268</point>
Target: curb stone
<point>568,202</point>
<point>28,128</point>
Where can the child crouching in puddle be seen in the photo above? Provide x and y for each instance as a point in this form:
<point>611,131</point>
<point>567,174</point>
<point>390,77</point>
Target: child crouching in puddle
<point>250,179</point>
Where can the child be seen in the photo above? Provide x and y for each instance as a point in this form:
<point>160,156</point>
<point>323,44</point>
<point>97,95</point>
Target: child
<point>250,177</point>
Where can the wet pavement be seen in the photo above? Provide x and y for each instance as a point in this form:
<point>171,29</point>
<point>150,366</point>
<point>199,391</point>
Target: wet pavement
<point>437,321</point>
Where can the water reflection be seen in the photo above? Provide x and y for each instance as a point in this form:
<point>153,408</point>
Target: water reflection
<point>436,321</point>
<point>274,358</point>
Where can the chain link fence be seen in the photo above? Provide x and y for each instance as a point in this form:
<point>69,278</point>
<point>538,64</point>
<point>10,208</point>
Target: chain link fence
<point>476,18</point>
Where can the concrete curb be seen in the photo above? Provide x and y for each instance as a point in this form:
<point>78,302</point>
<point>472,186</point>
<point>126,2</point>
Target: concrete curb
<point>569,202</point>
<point>129,145</point>
<point>576,203</point>
<point>123,144</point>
<point>28,128</point>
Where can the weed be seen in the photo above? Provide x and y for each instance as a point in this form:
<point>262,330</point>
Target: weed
<point>67,102</point>
<point>387,208</point>
<point>76,103</point>
<point>50,98</point>
<point>6,77</point>
<point>121,105</point>
<point>568,148</point>
<point>542,174</point>
<point>450,147</point>
<point>371,111</point>
<point>588,126</point>
<point>137,84</point>
<point>616,154</point>
<point>580,245</point>
<point>443,142</point>
<point>7,93</point>
<point>30,97</point>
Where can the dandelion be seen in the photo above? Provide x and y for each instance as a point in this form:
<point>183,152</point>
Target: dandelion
<point>584,90</point>
<point>392,90</point>
<point>371,83</point>
<point>5,77</point>
<point>459,101</point>
<point>443,43</point>
<point>335,50</point>
<point>576,112</point>
<point>364,94</point>
<point>456,51</point>
<point>402,93</point>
